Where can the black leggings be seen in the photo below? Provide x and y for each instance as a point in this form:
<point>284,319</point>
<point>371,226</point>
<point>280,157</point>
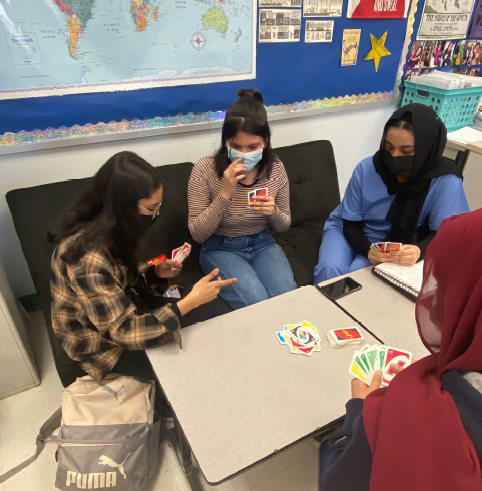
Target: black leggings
<point>135,363</point>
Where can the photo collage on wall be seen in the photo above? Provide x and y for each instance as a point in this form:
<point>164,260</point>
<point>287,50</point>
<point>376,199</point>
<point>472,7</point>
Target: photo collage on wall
<point>425,56</point>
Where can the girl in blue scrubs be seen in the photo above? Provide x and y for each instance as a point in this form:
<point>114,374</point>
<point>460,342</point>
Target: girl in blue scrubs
<point>401,194</point>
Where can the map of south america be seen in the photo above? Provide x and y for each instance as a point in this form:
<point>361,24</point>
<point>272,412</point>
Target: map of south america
<point>77,13</point>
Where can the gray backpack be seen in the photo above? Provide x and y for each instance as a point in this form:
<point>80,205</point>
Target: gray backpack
<point>109,436</point>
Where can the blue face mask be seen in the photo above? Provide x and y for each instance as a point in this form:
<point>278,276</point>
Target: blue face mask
<point>250,158</point>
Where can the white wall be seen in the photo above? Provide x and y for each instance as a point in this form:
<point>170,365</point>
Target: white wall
<point>354,134</point>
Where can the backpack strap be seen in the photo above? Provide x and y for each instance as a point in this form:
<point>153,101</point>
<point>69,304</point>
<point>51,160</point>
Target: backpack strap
<point>44,435</point>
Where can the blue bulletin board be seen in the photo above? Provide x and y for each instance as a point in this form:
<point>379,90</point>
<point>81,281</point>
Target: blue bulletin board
<point>287,73</point>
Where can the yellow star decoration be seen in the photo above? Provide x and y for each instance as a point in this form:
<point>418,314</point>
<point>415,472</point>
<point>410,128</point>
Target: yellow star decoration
<point>378,49</point>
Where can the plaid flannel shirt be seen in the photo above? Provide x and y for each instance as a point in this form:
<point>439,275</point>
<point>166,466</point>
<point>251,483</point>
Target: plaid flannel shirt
<point>93,316</point>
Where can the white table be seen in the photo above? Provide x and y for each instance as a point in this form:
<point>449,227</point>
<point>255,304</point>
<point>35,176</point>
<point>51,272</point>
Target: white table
<point>240,396</point>
<point>384,311</point>
<point>473,175</point>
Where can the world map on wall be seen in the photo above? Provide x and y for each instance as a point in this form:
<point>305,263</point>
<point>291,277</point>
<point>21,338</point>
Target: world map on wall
<point>61,46</point>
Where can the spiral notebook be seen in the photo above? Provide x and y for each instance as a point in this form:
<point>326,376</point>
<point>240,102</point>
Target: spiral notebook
<point>406,279</point>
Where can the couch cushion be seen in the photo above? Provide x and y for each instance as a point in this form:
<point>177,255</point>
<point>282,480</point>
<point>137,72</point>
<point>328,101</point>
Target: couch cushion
<point>301,244</point>
<point>311,170</point>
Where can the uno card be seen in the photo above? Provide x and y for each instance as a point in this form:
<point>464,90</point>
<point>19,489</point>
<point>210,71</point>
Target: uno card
<point>392,246</point>
<point>382,353</point>
<point>282,337</point>
<point>356,372</point>
<point>186,250</point>
<point>297,347</point>
<point>347,334</point>
<point>372,357</point>
<point>261,192</point>
<point>362,364</point>
<point>157,260</point>
<point>398,357</point>
<point>251,196</point>
<point>303,336</point>
<point>175,252</point>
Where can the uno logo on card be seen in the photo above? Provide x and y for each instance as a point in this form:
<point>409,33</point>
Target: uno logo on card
<point>347,334</point>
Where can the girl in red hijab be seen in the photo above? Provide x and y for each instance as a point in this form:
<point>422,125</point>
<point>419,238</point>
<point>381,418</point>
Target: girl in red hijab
<point>424,431</point>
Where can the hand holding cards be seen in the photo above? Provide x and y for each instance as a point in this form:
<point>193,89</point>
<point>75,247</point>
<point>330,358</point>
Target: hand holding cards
<point>369,359</point>
<point>302,338</point>
<point>181,253</point>
<point>386,246</point>
<point>157,260</point>
<point>252,195</point>
<point>260,202</point>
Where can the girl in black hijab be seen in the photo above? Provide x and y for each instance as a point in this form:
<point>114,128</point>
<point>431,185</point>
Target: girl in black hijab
<point>401,194</point>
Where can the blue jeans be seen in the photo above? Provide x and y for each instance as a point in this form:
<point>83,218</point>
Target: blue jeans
<point>256,261</point>
<point>337,257</point>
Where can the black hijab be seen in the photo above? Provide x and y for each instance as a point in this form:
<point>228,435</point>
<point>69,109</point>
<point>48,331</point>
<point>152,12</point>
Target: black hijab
<point>428,163</point>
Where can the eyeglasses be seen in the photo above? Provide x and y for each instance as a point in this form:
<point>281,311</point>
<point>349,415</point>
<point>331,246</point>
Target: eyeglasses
<point>153,213</point>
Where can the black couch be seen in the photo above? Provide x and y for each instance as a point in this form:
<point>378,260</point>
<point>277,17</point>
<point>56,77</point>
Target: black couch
<point>314,194</point>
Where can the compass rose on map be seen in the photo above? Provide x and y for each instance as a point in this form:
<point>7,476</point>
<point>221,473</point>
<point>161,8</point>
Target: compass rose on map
<point>198,41</point>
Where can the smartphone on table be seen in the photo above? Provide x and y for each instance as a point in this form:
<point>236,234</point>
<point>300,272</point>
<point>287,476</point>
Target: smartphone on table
<point>340,288</point>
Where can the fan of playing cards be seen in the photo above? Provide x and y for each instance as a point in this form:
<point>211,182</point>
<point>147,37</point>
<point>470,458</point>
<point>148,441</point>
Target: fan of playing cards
<point>369,359</point>
<point>386,246</point>
<point>302,338</point>
<point>350,336</point>
<point>181,253</point>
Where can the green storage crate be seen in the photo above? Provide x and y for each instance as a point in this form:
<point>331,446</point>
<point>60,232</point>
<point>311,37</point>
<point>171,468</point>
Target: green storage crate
<point>456,107</point>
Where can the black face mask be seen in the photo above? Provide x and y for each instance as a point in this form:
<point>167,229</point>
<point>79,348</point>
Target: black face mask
<point>146,221</point>
<point>397,165</point>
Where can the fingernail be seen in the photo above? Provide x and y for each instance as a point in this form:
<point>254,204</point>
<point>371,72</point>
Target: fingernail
<point>378,372</point>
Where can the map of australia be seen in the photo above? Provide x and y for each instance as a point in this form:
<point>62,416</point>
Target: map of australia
<point>96,45</point>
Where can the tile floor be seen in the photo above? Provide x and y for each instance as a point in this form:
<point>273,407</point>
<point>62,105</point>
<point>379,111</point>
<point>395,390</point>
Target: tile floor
<point>22,415</point>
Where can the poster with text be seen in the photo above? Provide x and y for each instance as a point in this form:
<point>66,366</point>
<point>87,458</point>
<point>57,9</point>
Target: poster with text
<point>349,46</point>
<point>319,31</point>
<point>476,29</point>
<point>377,9</point>
<point>445,19</point>
<point>279,26</point>
<point>322,8</point>
<point>280,3</point>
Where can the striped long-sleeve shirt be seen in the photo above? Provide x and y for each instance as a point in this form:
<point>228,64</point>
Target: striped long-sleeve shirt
<point>211,214</point>
<point>93,313</point>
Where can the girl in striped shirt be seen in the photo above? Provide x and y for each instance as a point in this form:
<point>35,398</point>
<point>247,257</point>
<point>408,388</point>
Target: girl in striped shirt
<point>233,230</point>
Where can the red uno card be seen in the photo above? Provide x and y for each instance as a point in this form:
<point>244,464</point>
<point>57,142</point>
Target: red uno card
<point>175,252</point>
<point>392,246</point>
<point>261,192</point>
<point>251,196</point>
<point>398,357</point>
<point>349,333</point>
<point>157,260</point>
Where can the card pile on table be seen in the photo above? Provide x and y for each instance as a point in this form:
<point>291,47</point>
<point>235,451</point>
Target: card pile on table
<point>386,246</point>
<point>369,359</point>
<point>302,338</point>
<point>349,336</point>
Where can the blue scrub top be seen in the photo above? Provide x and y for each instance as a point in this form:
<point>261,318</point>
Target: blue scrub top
<point>366,198</point>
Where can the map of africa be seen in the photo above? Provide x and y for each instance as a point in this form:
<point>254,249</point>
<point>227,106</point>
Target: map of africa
<point>64,46</point>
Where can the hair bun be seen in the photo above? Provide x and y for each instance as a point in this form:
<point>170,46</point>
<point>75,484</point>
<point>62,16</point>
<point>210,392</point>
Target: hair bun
<point>251,93</point>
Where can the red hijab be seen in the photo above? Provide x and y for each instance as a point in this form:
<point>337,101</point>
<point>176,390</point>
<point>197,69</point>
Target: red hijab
<point>413,426</point>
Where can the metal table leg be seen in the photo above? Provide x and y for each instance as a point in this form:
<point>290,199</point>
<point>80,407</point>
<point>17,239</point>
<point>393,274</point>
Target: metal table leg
<point>181,446</point>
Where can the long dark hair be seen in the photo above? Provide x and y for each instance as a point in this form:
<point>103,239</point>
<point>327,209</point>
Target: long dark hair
<point>105,217</point>
<point>248,115</point>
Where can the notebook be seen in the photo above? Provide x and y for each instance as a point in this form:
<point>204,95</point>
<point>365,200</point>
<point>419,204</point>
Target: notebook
<point>406,279</point>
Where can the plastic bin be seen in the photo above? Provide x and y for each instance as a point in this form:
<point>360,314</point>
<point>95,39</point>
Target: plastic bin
<point>456,107</point>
